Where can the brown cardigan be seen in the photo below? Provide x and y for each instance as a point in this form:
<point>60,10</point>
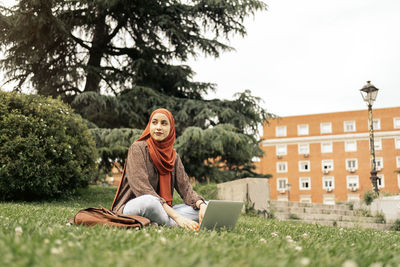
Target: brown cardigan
<point>141,178</point>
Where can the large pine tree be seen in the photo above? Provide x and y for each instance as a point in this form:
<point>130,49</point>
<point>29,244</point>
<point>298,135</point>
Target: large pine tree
<point>80,50</point>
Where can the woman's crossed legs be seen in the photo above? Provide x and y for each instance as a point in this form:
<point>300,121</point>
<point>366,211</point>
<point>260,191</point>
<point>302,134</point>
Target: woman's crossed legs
<point>150,207</point>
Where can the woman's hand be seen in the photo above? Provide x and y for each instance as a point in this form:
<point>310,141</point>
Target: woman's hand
<point>202,211</point>
<point>187,223</point>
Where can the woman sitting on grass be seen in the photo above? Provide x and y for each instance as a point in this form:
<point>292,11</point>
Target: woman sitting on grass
<point>153,170</point>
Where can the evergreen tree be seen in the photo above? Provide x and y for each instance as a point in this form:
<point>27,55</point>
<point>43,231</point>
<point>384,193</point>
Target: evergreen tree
<point>81,49</point>
<point>69,47</point>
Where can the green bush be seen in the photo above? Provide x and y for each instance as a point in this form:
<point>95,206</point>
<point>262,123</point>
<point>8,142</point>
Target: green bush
<point>396,225</point>
<point>369,197</point>
<point>45,149</point>
<point>207,190</point>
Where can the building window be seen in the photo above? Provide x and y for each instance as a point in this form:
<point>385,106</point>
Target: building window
<point>329,199</point>
<point>351,165</point>
<point>376,124</point>
<point>352,182</point>
<point>327,165</point>
<point>302,129</point>
<point>398,161</point>
<point>305,183</point>
<point>281,184</point>
<point>305,199</point>
<point>281,166</point>
<point>280,130</point>
<point>378,144</point>
<point>304,166</point>
<point>304,148</point>
<point>281,150</point>
<point>326,127</point>
<point>326,147</point>
<point>350,146</point>
<point>349,126</point>
<point>353,197</point>
<point>283,198</point>
<point>397,143</point>
<point>381,180</point>
<point>398,180</point>
<point>328,183</point>
<point>396,123</point>
<point>379,163</point>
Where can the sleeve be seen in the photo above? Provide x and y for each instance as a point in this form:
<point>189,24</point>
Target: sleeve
<point>137,174</point>
<point>183,187</point>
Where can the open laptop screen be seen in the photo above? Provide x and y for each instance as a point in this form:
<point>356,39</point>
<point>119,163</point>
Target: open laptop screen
<point>221,214</point>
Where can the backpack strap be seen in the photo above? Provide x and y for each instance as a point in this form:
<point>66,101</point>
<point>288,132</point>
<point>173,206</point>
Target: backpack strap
<point>119,186</point>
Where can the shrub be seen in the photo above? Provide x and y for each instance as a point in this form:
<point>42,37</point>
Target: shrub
<point>396,225</point>
<point>369,197</point>
<point>45,149</point>
<point>207,190</point>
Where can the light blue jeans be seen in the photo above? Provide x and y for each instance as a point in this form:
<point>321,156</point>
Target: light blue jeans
<point>150,207</point>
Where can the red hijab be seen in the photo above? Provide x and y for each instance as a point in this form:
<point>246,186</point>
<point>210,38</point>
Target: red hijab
<point>162,154</point>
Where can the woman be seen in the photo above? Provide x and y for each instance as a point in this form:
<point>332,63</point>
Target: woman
<point>153,170</point>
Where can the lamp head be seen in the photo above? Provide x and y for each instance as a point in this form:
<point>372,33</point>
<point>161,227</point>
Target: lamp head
<point>369,93</point>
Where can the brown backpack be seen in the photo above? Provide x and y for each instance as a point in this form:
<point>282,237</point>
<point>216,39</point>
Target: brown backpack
<point>103,216</point>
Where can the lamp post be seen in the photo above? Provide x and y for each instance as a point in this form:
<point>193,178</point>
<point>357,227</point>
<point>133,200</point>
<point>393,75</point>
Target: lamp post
<point>288,186</point>
<point>369,93</point>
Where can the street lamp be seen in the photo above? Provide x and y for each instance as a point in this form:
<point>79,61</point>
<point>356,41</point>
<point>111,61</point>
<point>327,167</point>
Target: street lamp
<point>288,186</point>
<point>369,93</point>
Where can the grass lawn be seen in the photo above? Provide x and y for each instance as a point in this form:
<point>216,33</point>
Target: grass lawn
<point>37,234</point>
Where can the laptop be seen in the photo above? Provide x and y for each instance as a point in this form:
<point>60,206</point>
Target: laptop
<point>221,214</point>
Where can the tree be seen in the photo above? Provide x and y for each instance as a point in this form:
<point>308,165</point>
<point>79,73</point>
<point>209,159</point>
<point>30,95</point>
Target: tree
<point>81,49</point>
<point>69,47</point>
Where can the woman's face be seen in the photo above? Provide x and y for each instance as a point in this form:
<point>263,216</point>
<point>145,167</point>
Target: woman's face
<point>159,127</point>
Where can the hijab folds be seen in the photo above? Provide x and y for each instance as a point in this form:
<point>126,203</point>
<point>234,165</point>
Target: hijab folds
<point>162,153</point>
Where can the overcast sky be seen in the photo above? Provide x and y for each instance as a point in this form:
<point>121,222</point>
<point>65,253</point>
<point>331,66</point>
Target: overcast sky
<point>313,56</point>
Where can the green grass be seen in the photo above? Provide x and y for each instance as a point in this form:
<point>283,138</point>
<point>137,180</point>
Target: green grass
<point>46,240</point>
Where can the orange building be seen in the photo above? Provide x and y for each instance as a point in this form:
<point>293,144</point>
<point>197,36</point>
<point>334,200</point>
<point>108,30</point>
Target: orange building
<point>325,158</point>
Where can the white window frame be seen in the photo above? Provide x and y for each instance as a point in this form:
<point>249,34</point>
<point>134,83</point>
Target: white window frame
<point>396,123</point>
<point>303,148</point>
<point>398,161</point>
<point>327,165</point>
<point>353,197</point>
<point>325,145</point>
<point>325,127</point>
<point>376,124</point>
<point>280,131</point>
<point>329,199</point>
<point>326,179</point>
<point>378,143</point>
<point>350,146</point>
<point>305,199</point>
<point>280,164</point>
<point>280,152</point>
<point>379,163</point>
<point>303,163</point>
<point>302,129</point>
<point>397,143</point>
<point>398,180</point>
<point>352,181</point>
<point>355,167</point>
<point>381,181</point>
<point>352,124</point>
<point>305,180</point>
<point>282,198</point>
<point>277,183</point>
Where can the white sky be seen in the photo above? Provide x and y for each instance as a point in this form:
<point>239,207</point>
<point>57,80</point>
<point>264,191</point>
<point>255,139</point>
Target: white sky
<point>313,56</point>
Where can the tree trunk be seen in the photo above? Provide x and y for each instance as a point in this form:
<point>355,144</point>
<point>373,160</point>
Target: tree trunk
<point>95,55</point>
